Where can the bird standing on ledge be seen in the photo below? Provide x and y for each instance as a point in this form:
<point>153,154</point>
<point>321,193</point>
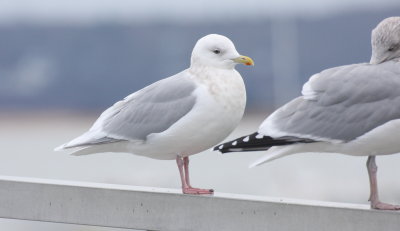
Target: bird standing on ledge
<point>178,116</point>
<point>353,109</point>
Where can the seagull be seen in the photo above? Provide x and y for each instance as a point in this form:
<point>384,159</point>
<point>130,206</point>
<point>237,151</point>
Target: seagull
<point>178,116</point>
<point>352,109</point>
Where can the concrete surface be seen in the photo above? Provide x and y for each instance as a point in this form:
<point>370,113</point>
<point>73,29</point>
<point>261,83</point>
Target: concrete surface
<point>166,209</point>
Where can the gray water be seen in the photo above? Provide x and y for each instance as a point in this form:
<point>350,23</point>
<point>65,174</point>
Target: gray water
<point>27,140</point>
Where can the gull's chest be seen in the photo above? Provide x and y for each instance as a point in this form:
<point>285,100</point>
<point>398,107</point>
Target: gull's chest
<point>226,91</point>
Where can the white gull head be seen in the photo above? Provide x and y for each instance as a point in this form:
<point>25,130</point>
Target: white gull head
<point>385,40</point>
<point>217,51</point>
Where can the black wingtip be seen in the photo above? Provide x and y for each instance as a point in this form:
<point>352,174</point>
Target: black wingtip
<point>244,143</point>
<point>216,148</point>
<point>257,142</point>
<point>220,148</point>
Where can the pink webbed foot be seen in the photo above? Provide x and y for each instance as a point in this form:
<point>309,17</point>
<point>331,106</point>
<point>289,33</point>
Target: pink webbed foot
<point>374,198</point>
<point>384,206</point>
<point>183,166</point>
<point>197,191</point>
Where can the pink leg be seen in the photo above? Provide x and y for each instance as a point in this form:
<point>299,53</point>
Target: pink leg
<point>183,166</point>
<point>186,166</point>
<point>374,198</point>
<point>179,162</point>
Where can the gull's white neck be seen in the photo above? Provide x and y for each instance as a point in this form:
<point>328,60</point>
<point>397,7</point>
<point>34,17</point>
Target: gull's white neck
<point>199,70</point>
<point>226,86</point>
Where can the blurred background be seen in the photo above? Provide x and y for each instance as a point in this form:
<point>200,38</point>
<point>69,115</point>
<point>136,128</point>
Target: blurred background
<point>63,62</point>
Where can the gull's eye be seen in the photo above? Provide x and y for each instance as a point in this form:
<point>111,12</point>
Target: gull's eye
<point>393,47</point>
<point>216,51</point>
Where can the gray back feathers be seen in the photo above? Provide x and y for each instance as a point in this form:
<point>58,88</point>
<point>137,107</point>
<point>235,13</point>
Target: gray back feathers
<point>350,101</point>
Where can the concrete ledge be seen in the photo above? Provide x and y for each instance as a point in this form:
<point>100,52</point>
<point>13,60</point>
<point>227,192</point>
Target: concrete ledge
<point>165,209</point>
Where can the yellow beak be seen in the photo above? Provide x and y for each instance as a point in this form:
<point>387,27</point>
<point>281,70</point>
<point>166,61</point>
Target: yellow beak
<point>244,60</point>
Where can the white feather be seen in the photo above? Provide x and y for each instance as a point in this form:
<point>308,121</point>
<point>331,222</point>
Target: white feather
<point>308,92</point>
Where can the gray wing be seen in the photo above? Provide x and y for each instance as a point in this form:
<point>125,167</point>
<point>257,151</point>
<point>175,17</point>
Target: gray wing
<point>151,110</point>
<point>341,103</point>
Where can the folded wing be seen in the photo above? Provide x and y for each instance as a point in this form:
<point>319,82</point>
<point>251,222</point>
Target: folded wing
<point>340,104</point>
<point>150,110</point>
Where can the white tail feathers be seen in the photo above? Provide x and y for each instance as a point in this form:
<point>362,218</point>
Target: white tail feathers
<point>80,151</point>
<point>74,152</point>
<point>101,148</point>
<point>82,140</point>
<point>274,153</point>
<point>60,148</point>
<point>84,151</point>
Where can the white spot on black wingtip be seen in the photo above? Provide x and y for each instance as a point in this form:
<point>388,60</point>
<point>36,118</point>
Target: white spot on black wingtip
<point>236,149</point>
<point>234,143</point>
<point>221,147</point>
<point>246,139</point>
<point>259,136</point>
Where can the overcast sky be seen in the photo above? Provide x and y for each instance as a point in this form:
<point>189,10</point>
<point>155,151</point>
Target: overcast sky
<point>88,11</point>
